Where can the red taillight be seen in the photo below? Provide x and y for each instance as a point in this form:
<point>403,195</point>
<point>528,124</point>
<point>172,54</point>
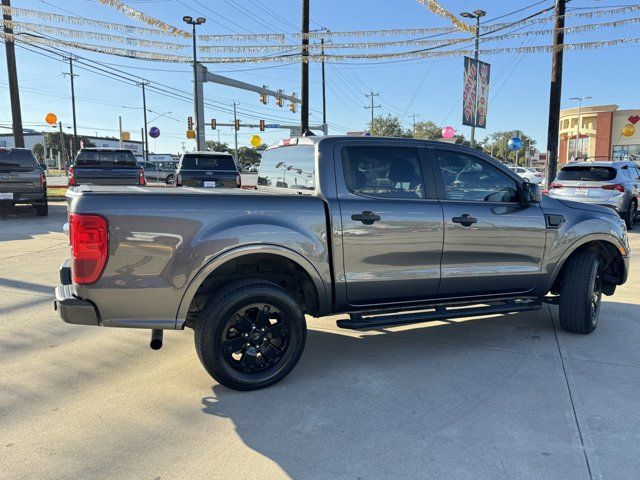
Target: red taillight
<point>555,185</point>
<point>72,177</point>
<point>43,180</point>
<point>89,247</point>
<point>141,179</point>
<point>618,186</point>
<point>178,180</point>
<point>238,181</point>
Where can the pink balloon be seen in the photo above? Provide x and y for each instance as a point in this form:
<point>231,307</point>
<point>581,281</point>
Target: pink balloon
<point>448,132</point>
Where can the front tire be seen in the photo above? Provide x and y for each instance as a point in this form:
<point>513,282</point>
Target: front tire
<point>250,334</point>
<point>581,292</point>
<point>170,178</point>
<point>630,215</point>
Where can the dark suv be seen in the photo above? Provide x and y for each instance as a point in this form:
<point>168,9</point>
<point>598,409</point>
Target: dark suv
<point>207,170</point>
<point>22,180</point>
<point>106,166</point>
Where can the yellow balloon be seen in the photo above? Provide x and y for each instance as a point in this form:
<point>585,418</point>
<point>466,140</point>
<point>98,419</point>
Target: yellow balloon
<point>191,134</point>
<point>628,130</point>
<point>255,140</point>
<point>51,118</point>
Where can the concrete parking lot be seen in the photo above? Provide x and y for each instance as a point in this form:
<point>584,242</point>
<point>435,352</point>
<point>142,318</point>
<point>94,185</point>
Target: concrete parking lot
<point>507,396</point>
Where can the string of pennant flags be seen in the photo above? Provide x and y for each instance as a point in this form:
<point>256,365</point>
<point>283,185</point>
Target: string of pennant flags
<point>416,54</point>
<point>165,29</point>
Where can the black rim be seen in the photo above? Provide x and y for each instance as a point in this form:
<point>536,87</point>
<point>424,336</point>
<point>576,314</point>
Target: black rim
<point>596,297</point>
<point>255,338</point>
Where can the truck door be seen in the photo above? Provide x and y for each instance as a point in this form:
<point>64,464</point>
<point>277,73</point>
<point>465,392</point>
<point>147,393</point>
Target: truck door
<point>392,225</point>
<point>492,244</point>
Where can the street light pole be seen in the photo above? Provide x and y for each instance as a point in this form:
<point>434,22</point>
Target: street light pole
<point>477,14</point>
<point>193,22</point>
<point>579,99</point>
<point>145,139</point>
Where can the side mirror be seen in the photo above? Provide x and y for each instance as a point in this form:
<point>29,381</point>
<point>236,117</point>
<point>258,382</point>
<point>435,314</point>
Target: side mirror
<point>530,193</point>
<point>43,166</point>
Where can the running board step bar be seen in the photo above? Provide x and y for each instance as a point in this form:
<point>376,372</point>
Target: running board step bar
<point>373,320</point>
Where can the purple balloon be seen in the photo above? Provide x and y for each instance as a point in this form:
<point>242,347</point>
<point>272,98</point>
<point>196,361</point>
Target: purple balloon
<point>154,132</point>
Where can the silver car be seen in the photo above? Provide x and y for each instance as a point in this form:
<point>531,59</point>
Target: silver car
<point>610,184</point>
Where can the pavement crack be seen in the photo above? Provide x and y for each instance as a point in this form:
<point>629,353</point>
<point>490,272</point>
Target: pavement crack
<point>573,405</point>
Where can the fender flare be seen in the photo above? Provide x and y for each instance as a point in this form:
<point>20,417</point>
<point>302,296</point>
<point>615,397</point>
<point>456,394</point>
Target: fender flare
<point>244,250</point>
<point>594,237</point>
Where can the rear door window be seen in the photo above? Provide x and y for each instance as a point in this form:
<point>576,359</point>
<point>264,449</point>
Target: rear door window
<point>291,167</point>
<point>17,160</point>
<point>587,174</point>
<point>106,159</point>
<point>208,162</point>
<point>387,172</point>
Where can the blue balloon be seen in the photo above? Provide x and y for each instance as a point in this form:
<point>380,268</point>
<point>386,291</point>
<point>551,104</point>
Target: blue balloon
<point>154,132</point>
<point>515,143</point>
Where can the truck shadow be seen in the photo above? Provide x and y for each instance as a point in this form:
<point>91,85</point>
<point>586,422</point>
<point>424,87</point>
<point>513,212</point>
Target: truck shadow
<point>21,222</point>
<point>398,404</point>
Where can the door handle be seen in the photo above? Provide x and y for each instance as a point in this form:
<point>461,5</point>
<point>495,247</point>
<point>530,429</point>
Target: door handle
<point>365,217</point>
<point>465,220</point>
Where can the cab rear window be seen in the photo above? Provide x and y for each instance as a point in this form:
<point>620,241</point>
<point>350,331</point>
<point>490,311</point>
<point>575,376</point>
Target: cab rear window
<point>17,159</point>
<point>106,159</point>
<point>208,162</point>
<point>290,167</point>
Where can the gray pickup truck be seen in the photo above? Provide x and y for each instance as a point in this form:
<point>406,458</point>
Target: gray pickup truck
<point>386,231</point>
<point>22,180</point>
<point>105,166</point>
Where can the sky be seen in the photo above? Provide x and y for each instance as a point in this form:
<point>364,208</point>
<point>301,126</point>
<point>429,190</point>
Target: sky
<point>430,88</point>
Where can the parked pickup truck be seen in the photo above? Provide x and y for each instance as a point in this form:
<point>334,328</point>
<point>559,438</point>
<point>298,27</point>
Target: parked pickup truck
<point>386,231</point>
<point>105,166</point>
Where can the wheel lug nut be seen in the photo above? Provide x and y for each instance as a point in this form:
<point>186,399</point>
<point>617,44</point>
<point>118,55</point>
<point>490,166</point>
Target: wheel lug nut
<point>245,335</point>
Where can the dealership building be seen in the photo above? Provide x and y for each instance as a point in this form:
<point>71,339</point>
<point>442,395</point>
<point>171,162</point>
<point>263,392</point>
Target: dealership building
<point>600,133</point>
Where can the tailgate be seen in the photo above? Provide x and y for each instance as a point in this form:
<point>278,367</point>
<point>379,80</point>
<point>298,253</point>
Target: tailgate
<point>20,182</point>
<point>209,178</point>
<point>106,176</point>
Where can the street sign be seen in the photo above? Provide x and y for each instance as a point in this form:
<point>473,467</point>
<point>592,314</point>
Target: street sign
<point>272,125</point>
<point>295,132</point>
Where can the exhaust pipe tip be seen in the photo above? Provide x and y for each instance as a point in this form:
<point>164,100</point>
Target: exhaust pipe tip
<point>156,339</point>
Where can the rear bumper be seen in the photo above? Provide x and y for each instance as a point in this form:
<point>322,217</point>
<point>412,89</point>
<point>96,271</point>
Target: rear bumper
<point>71,308</point>
<point>626,261</point>
<point>25,197</point>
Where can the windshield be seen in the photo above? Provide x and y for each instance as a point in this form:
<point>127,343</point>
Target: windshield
<point>106,159</point>
<point>17,159</point>
<point>208,162</point>
<point>587,174</point>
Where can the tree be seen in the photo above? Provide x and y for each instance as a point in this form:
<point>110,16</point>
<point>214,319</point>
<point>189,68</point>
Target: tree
<point>247,156</point>
<point>38,151</point>
<point>427,131</point>
<point>53,142</point>
<point>217,146</point>
<point>496,144</point>
<point>388,126</point>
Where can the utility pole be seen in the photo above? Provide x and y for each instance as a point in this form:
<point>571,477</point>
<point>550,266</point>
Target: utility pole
<point>555,92</point>
<point>304,108</point>
<point>199,121</point>
<point>414,115</point>
<point>145,139</point>
<point>62,149</point>
<point>73,107</point>
<point>324,95</point>
<point>120,129</point>
<point>372,107</point>
<point>235,130</point>
<point>14,92</point>
<point>145,155</point>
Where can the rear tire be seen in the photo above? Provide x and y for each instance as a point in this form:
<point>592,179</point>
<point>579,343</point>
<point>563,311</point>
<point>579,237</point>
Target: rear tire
<point>250,334</point>
<point>42,210</point>
<point>581,292</point>
<point>630,215</point>
<point>169,180</point>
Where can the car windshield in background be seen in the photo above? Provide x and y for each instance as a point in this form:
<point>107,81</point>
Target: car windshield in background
<point>106,159</point>
<point>587,174</point>
<point>208,162</point>
<point>17,159</point>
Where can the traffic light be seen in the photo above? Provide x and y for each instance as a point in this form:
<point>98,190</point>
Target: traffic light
<point>237,124</point>
<point>262,125</point>
<point>279,98</point>
<point>292,104</point>
<point>214,124</point>
<point>264,98</point>
<point>189,123</point>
